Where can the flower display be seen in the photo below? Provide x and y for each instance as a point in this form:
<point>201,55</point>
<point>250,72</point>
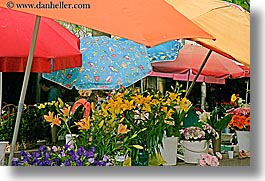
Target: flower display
<point>60,156</point>
<point>212,118</point>
<point>176,108</point>
<point>241,119</point>
<point>202,131</point>
<point>210,160</point>
<point>127,122</point>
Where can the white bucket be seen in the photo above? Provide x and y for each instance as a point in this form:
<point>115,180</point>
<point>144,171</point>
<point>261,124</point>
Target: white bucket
<point>2,151</point>
<point>192,150</point>
<point>68,140</point>
<point>243,138</point>
<point>169,150</point>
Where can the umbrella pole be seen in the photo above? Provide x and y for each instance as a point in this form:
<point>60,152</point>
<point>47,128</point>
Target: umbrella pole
<point>188,81</point>
<point>1,95</point>
<point>198,73</point>
<point>24,88</point>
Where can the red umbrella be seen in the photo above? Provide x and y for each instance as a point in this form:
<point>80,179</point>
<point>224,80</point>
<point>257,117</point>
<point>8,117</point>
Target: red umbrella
<point>189,61</point>
<point>56,48</point>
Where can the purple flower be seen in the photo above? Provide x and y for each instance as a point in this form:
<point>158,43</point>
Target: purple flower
<point>15,161</point>
<point>66,146</point>
<point>73,157</point>
<point>56,162</point>
<point>91,160</point>
<point>42,148</point>
<point>105,158</point>
<point>62,153</point>
<point>46,156</point>
<point>67,163</point>
<point>71,152</point>
<point>79,163</point>
<point>93,149</point>
<point>88,154</point>
<point>36,154</point>
<point>23,153</point>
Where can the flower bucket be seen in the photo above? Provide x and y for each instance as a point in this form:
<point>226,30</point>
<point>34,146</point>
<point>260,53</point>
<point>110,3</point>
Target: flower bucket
<point>169,150</point>
<point>243,138</point>
<point>192,150</point>
<point>142,159</point>
<point>2,151</point>
<point>69,141</point>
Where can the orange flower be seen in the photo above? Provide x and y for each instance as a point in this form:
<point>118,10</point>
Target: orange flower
<point>239,121</point>
<point>84,124</point>
<point>66,111</point>
<point>54,120</point>
<point>122,129</point>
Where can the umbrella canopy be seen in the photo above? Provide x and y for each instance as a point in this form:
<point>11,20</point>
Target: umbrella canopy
<point>107,64</point>
<point>189,60</point>
<point>228,23</point>
<point>189,77</point>
<point>56,48</point>
<point>148,22</point>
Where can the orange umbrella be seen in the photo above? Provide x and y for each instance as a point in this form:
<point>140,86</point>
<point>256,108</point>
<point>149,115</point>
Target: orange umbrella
<point>228,23</point>
<point>149,22</point>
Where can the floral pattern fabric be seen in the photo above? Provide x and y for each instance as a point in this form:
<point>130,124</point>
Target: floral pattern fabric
<point>108,63</point>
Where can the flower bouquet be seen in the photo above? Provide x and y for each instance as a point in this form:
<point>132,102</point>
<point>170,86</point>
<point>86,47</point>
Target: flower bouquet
<point>210,160</point>
<point>195,140</point>
<point>60,156</point>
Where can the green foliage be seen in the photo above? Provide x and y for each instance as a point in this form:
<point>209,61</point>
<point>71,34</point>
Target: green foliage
<point>219,124</point>
<point>32,125</point>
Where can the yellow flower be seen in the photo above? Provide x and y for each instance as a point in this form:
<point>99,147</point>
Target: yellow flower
<point>169,113</point>
<point>147,107</point>
<point>127,105</point>
<point>122,129</point>
<point>185,104</point>
<point>173,96</point>
<point>84,124</point>
<point>61,104</point>
<point>233,98</point>
<point>66,111</point>
<point>138,99</point>
<point>155,102</point>
<point>93,107</point>
<point>41,106</point>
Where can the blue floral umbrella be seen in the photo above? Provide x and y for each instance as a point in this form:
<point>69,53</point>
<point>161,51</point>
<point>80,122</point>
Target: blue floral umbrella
<point>108,63</point>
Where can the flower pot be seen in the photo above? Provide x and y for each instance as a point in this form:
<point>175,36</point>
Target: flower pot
<point>54,131</point>
<point>216,143</point>
<point>169,150</point>
<point>69,141</point>
<point>2,151</point>
<point>142,159</point>
<point>243,138</point>
<point>192,150</point>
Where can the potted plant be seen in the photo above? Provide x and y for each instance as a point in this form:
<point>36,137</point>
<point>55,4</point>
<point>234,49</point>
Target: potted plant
<point>218,123</point>
<point>176,108</point>
<point>60,156</point>
<point>240,123</point>
<point>195,140</point>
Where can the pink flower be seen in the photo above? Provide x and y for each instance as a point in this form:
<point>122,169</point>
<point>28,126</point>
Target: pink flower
<point>219,155</point>
<point>203,163</point>
<point>214,161</point>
